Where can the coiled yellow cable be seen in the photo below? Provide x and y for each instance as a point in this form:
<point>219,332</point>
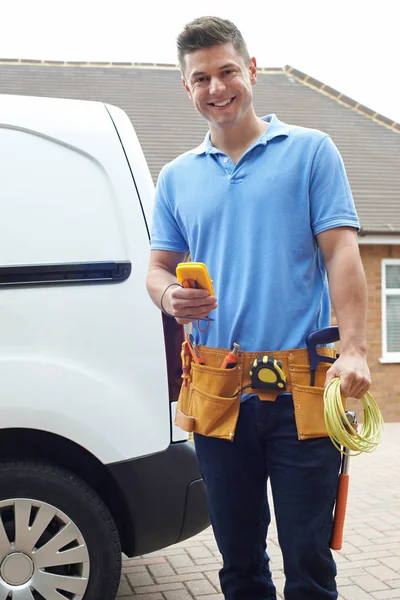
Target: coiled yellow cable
<point>341,431</point>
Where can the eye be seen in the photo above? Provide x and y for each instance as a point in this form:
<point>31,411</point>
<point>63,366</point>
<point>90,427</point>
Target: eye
<point>228,72</point>
<point>201,79</point>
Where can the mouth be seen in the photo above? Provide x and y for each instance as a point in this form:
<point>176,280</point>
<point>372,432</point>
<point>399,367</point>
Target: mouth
<point>222,103</point>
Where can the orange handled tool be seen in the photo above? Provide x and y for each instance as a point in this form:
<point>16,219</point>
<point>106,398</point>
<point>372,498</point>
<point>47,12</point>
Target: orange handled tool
<point>340,511</point>
<point>194,351</point>
<point>336,542</point>
<point>230,359</point>
<point>186,359</point>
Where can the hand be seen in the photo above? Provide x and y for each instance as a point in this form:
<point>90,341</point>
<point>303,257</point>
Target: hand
<point>355,379</point>
<point>188,304</point>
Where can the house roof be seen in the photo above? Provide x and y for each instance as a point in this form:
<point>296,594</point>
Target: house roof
<point>167,124</point>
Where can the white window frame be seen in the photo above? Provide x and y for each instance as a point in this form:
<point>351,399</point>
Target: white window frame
<point>388,357</point>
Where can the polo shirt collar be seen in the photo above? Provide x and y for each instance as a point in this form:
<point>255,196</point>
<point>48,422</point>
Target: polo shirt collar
<point>276,129</point>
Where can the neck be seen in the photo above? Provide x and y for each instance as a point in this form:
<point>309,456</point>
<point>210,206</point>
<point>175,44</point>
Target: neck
<point>234,140</point>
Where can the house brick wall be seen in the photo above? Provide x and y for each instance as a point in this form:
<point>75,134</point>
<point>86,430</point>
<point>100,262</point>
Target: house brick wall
<point>385,377</point>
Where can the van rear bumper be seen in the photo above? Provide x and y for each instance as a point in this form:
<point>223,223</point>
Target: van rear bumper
<point>164,497</point>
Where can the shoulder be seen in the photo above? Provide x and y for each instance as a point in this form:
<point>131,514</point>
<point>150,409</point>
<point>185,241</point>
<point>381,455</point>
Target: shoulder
<point>312,144</point>
<point>307,135</point>
<point>179,166</point>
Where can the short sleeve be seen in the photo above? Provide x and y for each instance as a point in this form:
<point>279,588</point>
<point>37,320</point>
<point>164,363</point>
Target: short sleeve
<point>165,232</point>
<point>331,200</point>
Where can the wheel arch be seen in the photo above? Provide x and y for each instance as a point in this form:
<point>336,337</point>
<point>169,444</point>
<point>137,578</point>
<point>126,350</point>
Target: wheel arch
<point>21,443</point>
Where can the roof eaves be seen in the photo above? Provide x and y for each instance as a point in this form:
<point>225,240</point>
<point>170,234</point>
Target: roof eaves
<point>388,230</point>
<point>341,98</point>
<point>82,63</point>
<point>115,64</point>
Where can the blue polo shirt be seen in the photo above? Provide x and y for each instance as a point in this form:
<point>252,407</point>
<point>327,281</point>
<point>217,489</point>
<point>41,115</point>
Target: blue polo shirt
<point>254,224</point>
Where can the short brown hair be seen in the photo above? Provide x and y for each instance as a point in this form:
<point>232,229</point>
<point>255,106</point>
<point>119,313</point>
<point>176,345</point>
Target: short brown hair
<point>205,32</point>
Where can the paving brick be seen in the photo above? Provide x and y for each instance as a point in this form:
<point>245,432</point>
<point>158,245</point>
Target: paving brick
<point>383,573</point>
<point>369,583</point>
<point>181,560</point>
<point>392,562</point>
<point>130,569</point>
<point>358,541</point>
<point>209,597</point>
<point>124,588</point>
<point>200,587</point>
<point>359,563</point>
<point>369,532</point>
<point>199,552</point>
<point>211,545</point>
<point>208,561</point>
<point>353,592</point>
<point>279,583</point>
<point>394,583</point>
<point>166,552</point>
<point>163,570</point>
<point>135,562</point>
<point>147,597</point>
<point>198,568</point>
<point>377,554</point>
<point>177,595</point>
<point>139,579</point>
<point>349,549</point>
<point>159,588</point>
<point>184,578</point>
<point>213,578</point>
<point>342,581</point>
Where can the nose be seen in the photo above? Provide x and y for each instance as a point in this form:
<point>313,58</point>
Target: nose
<point>216,85</point>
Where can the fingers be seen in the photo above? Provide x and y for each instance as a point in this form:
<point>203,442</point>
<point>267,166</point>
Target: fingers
<point>197,309</point>
<point>188,304</point>
<point>330,374</point>
<point>354,383</point>
<point>346,384</point>
<point>184,321</point>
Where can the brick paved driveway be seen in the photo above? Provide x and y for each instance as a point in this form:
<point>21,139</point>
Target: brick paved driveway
<point>368,564</point>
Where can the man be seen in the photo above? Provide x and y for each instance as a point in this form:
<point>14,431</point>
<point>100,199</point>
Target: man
<point>267,207</point>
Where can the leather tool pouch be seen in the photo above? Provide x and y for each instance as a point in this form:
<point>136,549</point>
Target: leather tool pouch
<point>308,401</point>
<point>205,406</point>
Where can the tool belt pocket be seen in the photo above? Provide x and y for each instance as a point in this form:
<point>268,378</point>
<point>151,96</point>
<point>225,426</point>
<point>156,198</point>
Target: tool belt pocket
<point>308,401</point>
<point>206,405</point>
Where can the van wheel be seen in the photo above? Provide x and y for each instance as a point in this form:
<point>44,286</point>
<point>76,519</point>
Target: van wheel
<point>57,537</point>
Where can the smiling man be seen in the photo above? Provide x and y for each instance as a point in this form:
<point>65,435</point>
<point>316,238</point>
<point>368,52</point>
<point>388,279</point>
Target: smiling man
<point>268,208</point>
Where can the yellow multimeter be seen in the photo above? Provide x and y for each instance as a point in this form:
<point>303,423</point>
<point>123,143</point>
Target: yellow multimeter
<point>194,275</point>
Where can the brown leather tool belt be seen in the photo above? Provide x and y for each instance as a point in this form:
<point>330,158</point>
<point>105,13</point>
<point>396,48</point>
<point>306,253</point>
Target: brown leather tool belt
<point>209,402</point>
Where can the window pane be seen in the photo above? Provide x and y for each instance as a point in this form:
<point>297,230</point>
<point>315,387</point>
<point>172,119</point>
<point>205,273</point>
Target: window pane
<point>393,276</point>
<point>393,323</point>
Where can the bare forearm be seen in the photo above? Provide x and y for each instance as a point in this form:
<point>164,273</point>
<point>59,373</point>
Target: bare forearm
<point>185,304</point>
<point>158,279</point>
<point>348,292</point>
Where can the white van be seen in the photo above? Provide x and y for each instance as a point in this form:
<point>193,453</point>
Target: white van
<point>91,464</point>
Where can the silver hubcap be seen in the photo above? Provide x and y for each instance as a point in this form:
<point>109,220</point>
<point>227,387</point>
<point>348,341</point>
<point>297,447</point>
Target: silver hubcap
<point>17,568</point>
<point>42,553</point>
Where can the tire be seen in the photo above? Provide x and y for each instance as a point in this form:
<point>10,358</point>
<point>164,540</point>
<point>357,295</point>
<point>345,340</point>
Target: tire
<point>56,533</point>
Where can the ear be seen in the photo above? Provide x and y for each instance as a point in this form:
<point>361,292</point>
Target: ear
<point>185,85</point>
<point>253,70</point>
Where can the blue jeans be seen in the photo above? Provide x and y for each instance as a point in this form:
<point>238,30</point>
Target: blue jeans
<point>303,476</point>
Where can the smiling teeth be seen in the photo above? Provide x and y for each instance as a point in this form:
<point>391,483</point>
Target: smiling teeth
<point>223,103</point>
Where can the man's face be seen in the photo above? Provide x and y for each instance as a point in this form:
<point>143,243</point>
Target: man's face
<point>219,83</point>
